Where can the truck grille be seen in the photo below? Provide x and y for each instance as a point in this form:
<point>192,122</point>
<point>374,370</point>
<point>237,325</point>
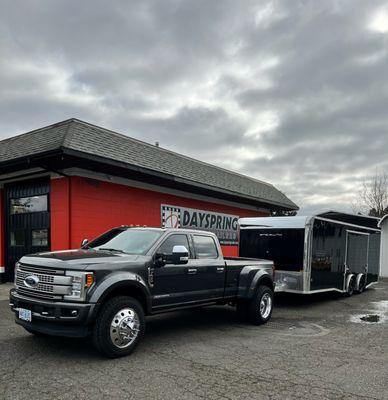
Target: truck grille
<point>52,284</point>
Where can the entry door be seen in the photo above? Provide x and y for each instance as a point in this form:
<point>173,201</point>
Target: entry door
<point>27,218</point>
<point>357,246</point>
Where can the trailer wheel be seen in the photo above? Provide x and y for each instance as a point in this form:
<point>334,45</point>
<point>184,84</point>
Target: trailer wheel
<point>350,287</point>
<point>261,306</point>
<point>119,327</point>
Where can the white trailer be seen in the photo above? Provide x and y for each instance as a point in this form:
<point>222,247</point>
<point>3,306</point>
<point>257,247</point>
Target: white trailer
<point>383,224</point>
<point>330,251</point>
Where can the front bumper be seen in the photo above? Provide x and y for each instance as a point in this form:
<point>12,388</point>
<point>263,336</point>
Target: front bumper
<point>54,318</point>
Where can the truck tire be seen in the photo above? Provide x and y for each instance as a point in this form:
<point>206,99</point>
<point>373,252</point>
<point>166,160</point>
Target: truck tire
<point>261,306</point>
<point>119,327</point>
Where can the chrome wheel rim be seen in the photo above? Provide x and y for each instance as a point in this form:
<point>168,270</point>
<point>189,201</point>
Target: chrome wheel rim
<point>124,328</point>
<point>265,305</point>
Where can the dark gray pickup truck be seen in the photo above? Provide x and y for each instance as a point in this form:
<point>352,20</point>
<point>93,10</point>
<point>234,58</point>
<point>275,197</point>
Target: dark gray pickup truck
<point>106,288</point>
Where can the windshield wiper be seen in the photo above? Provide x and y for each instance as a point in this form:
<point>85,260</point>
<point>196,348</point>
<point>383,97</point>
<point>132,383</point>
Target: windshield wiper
<point>109,249</point>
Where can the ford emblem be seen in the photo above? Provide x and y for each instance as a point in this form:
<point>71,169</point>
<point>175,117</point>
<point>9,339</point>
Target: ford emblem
<point>31,281</point>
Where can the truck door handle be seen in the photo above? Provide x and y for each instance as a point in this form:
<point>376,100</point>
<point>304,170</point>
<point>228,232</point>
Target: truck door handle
<point>220,269</point>
<point>192,271</point>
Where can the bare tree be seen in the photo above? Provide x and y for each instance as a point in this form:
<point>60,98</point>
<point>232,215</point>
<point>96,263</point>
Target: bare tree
<point>373,197</point>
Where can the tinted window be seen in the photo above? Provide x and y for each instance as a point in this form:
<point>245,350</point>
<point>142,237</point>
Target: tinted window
<point>205,247</point>
<point>17,238</point>
<point>39,237</point>
<point>282,246</point>
<point>23,205</point>
<point>173,240</point>
<point>132,241</point>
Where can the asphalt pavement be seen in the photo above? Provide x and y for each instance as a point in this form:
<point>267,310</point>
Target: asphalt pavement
<point>320,347</point>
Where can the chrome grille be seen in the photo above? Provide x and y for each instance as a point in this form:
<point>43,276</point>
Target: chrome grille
<point>39,288</point>
<point>21,274</point>
<point>52,283</point>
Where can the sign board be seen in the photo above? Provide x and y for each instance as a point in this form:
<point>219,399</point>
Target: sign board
<point>225,226</point>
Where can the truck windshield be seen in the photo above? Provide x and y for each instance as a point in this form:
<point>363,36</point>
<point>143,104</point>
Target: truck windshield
<point>131,241</point>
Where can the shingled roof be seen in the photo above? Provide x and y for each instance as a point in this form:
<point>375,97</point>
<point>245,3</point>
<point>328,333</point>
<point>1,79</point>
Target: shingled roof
<point>88,139</point>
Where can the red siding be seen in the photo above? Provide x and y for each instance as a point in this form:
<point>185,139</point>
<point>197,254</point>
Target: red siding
<point>98,206</point>
<point>60,213</point>
<point>2,230</point>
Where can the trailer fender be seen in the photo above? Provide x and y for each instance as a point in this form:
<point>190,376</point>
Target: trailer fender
<point>250,279</point>
<point>360,284</point>
<point>348,279</point>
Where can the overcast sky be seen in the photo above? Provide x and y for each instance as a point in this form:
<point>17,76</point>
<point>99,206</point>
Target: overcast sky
<point>291,92</point>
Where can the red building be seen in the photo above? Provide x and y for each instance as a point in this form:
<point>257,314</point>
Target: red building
<point>73,180</point>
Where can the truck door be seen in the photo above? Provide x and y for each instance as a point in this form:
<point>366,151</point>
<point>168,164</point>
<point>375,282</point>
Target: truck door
<point>210,266</point>
<point>174,284</point>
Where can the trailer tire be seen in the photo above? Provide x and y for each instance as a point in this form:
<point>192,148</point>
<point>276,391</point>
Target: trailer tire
<point>119,327</point>
<point>261,306</point>
<point>350,287</point>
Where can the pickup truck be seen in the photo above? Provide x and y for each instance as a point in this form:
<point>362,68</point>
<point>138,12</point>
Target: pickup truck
<point>107,287</point>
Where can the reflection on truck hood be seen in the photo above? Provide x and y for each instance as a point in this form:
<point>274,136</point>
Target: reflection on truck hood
<point>77,259</point>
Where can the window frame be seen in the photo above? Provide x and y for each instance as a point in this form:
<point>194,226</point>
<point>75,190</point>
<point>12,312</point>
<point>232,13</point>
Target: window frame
<point>195,250</point>
<point>13,199</point>
<point>189,248</point>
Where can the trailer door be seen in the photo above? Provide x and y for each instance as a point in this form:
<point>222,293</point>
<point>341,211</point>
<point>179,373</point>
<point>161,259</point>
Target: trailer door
<point>357,247</point>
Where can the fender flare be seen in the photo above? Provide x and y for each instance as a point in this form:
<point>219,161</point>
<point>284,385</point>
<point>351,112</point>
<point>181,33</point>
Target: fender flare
<point>250,279</point>
<point>117,280</point>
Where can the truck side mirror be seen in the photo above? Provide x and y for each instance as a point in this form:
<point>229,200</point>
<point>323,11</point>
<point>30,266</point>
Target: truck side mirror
<point>84,242</point>
<point>180,255</point>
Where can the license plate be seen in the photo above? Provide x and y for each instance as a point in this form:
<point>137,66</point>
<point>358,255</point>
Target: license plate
<point>25,315</point>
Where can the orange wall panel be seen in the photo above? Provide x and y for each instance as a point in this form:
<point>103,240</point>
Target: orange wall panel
<point>60,213</point>
<point>96,206</point>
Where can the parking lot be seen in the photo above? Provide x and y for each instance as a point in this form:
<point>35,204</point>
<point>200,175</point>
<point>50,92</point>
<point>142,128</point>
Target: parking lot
<point>318,347</point>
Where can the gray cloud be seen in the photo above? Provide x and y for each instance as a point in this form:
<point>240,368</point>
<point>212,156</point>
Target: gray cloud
<point>292,92</point>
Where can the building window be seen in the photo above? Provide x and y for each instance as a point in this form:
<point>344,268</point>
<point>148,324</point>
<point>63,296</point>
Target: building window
<point>17,238</point>
<point>23,205</point>
<point>39,237</point>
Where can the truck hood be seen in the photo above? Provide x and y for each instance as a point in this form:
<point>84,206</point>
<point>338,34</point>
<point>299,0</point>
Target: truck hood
<point>78,259</point>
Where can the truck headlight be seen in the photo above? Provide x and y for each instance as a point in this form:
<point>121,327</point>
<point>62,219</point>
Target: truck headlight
<point>80,283</point>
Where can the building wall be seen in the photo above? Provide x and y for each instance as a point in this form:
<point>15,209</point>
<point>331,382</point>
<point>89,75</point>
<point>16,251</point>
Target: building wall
<point>2,233</point>
<point>84,208</point>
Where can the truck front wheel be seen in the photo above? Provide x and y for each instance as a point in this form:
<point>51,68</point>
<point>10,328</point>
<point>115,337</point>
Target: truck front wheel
<point>119,326</point>
<point>261,306</point>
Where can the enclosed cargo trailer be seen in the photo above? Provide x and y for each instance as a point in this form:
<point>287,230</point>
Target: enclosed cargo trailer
<point>330,251</point>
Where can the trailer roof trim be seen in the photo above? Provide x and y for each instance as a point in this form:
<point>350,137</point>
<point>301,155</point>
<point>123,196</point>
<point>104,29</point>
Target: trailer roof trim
<point>382,220</point>
<point>299,222</point>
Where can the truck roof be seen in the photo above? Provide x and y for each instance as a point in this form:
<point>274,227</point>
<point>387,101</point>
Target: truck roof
<point>179,230</point>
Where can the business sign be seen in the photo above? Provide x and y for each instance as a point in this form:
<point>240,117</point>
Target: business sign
<point>225,226</point>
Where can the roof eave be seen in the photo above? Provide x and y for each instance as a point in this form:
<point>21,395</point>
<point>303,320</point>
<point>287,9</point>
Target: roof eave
<point>44,160</point>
